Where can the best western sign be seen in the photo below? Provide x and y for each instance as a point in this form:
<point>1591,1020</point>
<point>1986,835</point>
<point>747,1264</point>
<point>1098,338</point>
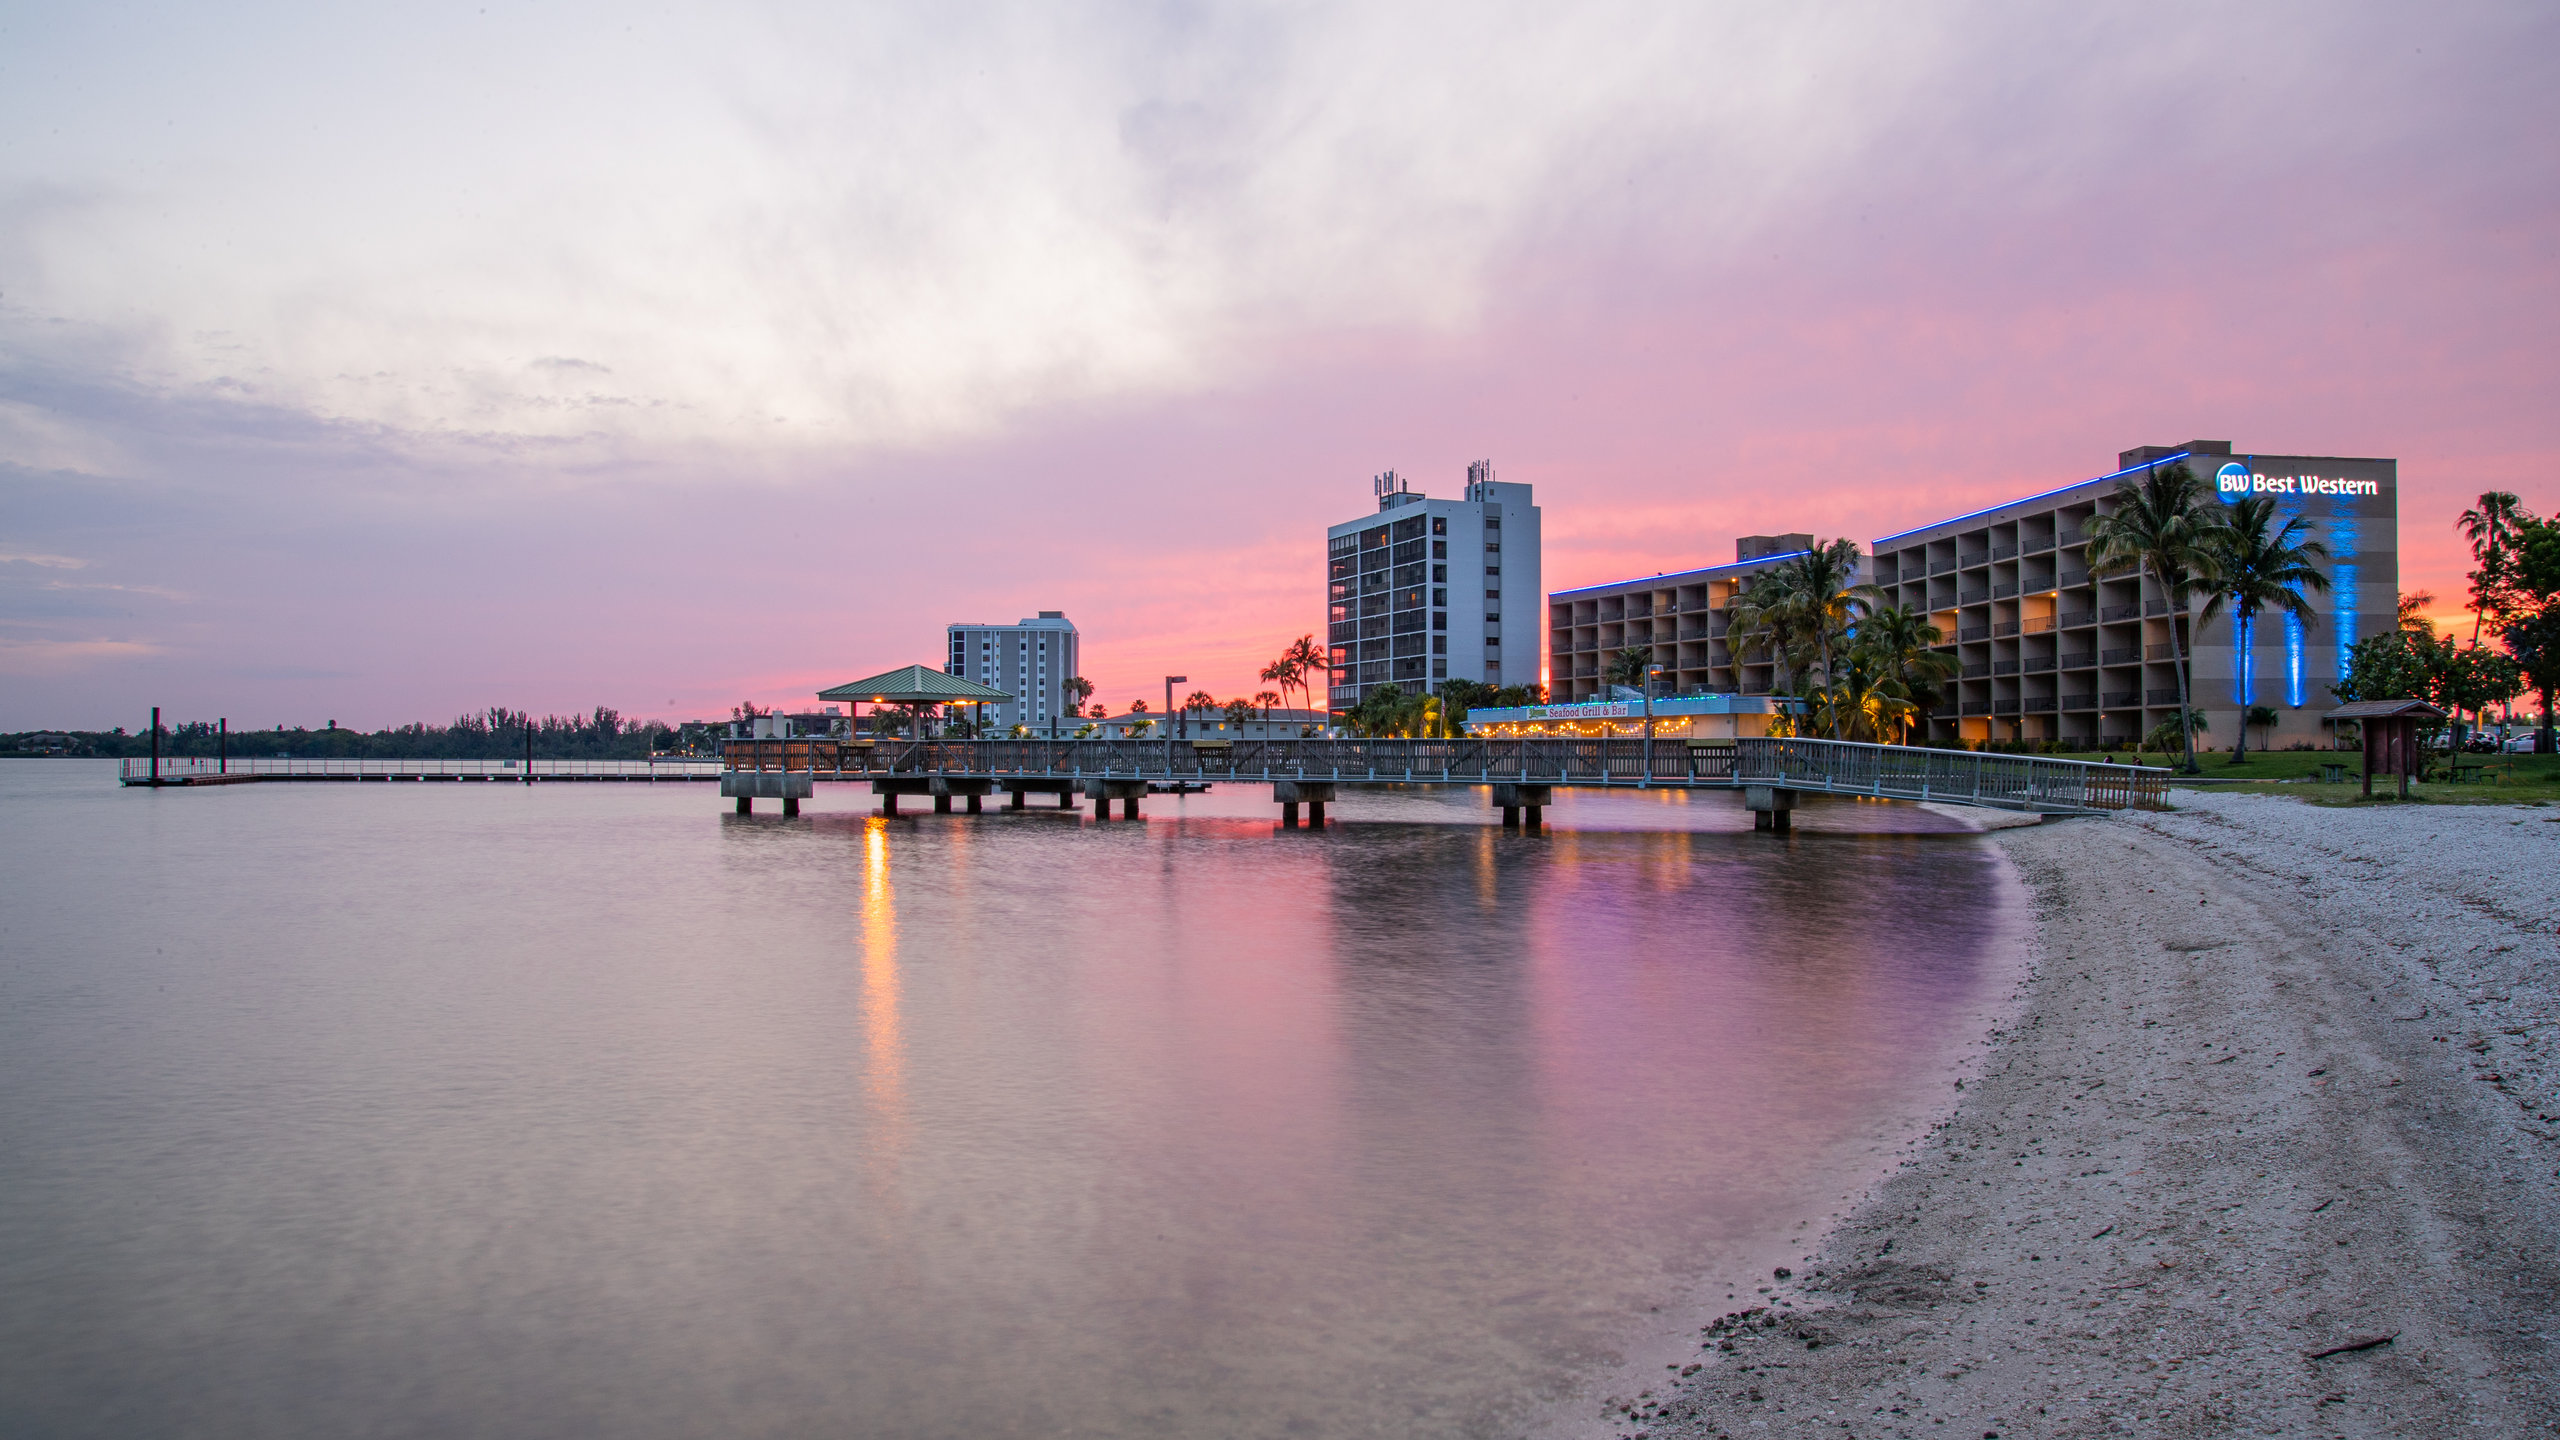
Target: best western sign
<point>2236,480</point>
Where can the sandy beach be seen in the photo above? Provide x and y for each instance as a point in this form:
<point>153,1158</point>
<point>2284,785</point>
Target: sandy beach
<point>2265,1146</point>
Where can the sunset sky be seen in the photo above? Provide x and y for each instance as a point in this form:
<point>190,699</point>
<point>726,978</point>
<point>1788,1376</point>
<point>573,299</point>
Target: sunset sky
<point>382,363</point>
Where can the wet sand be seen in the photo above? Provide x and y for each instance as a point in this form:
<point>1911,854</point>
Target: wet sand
<point>2281,1081</point>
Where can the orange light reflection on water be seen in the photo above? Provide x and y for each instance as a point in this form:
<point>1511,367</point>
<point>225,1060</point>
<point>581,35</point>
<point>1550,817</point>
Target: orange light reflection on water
<point>884,1048</point>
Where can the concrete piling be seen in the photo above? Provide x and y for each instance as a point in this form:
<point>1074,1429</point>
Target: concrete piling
<point>1513,798</point>
<point>1314,794</point>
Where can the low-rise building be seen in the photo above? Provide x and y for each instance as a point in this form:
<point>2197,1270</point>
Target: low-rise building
<point>1681,717</point>
<point>1211,725</point>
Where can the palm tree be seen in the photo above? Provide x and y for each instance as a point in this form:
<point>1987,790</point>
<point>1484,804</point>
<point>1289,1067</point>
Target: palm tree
<point>1078,690</point>
<point>1803,609</point>
<point>1266,701</point>
<point>1384,711</point>
<point>1197,700</point>
<point>2491,527</point>
<point>1307,660</point>
<point>1897,647</point>
<point>2413,612</point>
<point>2162,526</point>
<point>1629,667</point>
<point>2263,568</point>
<point>1765,615</point>
<point>1457,697</point>
<point>1278,672</point>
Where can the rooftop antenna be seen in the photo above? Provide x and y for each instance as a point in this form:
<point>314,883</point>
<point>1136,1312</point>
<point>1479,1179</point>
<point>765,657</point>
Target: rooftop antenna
<point>1479,475</point>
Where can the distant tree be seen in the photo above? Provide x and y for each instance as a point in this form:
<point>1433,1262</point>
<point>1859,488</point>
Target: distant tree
<point>1459,696</point>
<point>2398,665</point>
<point>1300,661</point>
<point>1387,711</point>
<point>1239,712</point>
<point>2265,718</point>
<point>2492,526</point>
<point>1267,701</point>
<point>1896,647</point>
<point>2169,737</point>
<point>2535,643</point>
<point>1078,690</point>
<point>1628,667</point>
<point>2413,611</point>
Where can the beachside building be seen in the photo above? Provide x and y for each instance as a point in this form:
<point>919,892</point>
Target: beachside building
<point>1681,616</point>
<point>1030,660</point>
<point>1687,717</point>
<point>2048,650</point>
<point>1426,591</point>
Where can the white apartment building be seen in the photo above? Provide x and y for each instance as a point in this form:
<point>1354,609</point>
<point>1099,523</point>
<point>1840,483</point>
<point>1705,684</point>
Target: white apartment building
<point>1031,660</point>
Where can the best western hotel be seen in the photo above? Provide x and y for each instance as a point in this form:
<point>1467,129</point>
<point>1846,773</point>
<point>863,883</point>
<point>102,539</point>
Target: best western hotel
<point>2046,650</point>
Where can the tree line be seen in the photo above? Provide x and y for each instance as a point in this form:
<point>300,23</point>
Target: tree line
<point>496,733</point>
<point>2515,601</point>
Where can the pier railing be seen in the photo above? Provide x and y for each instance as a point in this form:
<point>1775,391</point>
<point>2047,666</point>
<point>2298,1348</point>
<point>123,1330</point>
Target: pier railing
<point>1909,772</point>
<point>2023,782</point>
<point>136,769</point>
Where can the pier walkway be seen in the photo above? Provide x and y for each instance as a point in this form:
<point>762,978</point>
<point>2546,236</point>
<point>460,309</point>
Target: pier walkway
<point>1522,773</point>
<point>240,769</point>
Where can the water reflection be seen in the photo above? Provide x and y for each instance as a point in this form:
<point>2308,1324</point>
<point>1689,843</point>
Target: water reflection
<point>883,1051</point>
<point>1182,1128</point>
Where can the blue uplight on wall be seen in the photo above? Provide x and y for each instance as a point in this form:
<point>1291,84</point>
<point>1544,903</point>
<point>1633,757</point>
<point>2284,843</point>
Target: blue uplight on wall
<point>2293,661</point>
<point>2244,658</point>
<point>2345,603</point>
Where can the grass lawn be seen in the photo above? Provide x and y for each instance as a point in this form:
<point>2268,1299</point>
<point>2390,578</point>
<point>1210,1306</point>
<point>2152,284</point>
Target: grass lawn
<point>2504,779</point>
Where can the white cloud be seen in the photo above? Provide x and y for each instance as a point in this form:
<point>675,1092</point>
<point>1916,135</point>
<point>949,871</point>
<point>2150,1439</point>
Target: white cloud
<point>874,227</point>
<point>47,562</point>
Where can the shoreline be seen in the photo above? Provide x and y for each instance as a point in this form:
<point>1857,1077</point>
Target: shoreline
<point>2274,1083</point>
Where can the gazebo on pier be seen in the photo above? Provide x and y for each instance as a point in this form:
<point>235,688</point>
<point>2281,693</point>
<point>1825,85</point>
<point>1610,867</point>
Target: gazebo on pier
<point>914,686</point>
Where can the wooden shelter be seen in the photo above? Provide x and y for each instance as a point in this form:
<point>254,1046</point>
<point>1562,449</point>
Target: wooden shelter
<point>2390,736</point>
<point>913,686</point>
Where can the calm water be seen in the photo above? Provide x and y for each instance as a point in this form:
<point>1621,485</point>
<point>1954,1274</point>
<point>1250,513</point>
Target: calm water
<point>501,1111</point>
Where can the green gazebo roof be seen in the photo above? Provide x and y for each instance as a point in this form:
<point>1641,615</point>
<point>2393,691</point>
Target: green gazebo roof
<point>913,685</point>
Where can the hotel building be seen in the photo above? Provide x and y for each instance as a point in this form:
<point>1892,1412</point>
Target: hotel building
<point>1030,660</point>
<point>1682,616</point>
<point>2048,650</point>
<point>1416,594</point>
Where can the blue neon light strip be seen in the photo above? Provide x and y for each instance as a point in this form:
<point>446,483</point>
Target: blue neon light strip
<point>2293,661</point>
<point>2244,662</point>
<point>2030,499</point>
<point>1681,575</point>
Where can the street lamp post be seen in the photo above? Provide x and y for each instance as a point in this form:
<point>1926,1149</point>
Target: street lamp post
<point>1649,672</point>
<point>1169,682</point>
